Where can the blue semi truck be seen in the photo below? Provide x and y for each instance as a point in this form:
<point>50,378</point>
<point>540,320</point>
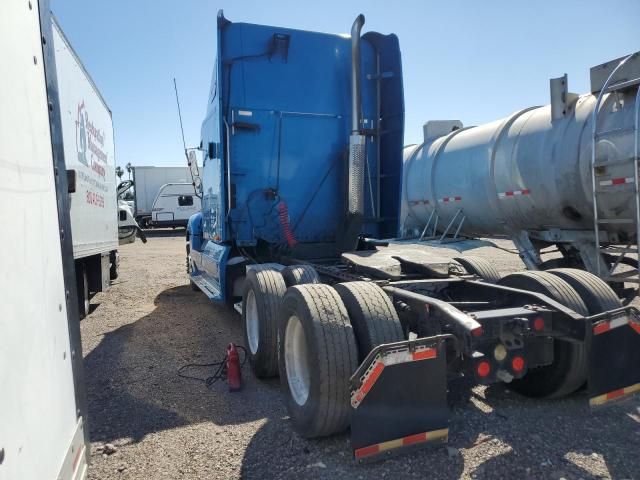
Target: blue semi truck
<point>301,179</point>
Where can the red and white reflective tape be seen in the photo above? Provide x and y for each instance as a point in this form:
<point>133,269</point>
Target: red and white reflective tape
<point>514,193</point>
<point>615,395</point>
<point>441,435</point>
<point>456,198</point>
<point>604,327</point>
<point>616,181</point>
<point>419,202</point>
<point>393,357</point>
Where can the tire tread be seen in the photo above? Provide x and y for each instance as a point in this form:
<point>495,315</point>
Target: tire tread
<point>374,319</point>
<point>479,266</point>
<point>300,275</point>
<point>337,356</point>
<point>271,288</point>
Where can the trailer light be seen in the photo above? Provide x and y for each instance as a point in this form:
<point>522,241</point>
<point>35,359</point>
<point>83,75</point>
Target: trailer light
<point>517,364</point>
<point>500,352</point>
<point>477,332</point>
<point>483,369</point>
<point>538,324</point>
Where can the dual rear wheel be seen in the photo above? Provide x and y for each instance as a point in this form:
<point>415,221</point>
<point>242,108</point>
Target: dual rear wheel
<point>316,335</point>
<point>582,292</point>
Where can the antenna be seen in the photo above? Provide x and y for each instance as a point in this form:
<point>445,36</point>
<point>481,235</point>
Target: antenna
<point>184,144</point>
<point>190,155</point>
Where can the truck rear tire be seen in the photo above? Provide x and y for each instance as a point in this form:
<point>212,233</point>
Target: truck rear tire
<point>114,260</point>
<point>82,286</point>
<point>318,354</point>
<point>480,267</point>
<point>373,317</point>
<point>595,293</point>
<point>262,294</point>
<point>300,275</point>
<point>569,368</point>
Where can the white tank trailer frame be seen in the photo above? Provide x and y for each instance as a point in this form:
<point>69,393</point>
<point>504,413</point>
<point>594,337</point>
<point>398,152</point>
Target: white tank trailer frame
<point>563,174</point>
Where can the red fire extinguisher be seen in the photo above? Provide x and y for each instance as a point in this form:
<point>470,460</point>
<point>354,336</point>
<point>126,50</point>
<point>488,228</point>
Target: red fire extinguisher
<point>233,368</point>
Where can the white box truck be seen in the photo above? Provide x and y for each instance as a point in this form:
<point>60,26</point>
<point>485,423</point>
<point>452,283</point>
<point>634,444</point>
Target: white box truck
<point>87,133</point>
<point>43,429</point>
<point>147,183</point>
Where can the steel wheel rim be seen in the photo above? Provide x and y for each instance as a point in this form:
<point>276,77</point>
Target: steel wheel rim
<point>296,360</point>
<point>252,323</point>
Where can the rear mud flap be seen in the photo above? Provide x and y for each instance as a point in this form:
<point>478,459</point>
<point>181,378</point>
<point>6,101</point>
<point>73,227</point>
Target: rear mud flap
<point>614,357</point>
<point>399,397</point>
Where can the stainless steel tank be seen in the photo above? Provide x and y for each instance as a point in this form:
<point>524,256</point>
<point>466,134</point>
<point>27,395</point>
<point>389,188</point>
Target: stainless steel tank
<point>531,171</point>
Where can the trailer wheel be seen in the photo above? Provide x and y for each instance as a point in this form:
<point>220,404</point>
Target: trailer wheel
<point>596,294</point>
<point>480,267</point>
<point>82,284</point>
<point>373,317</point>
<point>300,275</point>
<point>317,357</point>
<point>569,368</point>
<point>262,294</point>
<point>113,268</point>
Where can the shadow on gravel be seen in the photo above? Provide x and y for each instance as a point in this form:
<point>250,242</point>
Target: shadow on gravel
<point>132,381</point>
<point>518,437</point>
<point>552,438</point>
<point>276,451</point>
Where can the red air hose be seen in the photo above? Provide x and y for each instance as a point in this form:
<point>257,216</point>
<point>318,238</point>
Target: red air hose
<point>283,213</point>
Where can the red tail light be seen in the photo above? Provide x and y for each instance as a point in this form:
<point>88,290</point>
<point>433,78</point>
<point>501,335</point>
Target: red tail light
<point>538,324</point>
<point>517,364</point>
<point>483,369</point>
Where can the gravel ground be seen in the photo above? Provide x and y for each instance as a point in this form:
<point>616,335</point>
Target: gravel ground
<point>148,423</point>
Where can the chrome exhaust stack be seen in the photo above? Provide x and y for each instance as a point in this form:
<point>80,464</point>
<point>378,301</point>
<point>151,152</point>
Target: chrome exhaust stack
<point>356,140</point>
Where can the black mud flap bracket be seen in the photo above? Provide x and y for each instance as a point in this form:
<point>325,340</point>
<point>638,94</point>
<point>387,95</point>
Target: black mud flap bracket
<point>399,397</point>
<point>614,356</point>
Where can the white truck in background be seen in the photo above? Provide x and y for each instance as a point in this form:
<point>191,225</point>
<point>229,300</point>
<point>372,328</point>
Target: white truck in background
<point>174,204</point>
<point>147,183</point>
<point>43,409</point>
<point>87,132</point>
<point>128,228</point>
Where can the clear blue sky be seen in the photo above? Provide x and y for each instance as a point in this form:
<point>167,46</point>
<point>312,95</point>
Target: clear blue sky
<point>470,60</point>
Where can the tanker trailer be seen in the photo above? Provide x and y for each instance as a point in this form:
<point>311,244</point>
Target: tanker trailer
<point>563,174</point>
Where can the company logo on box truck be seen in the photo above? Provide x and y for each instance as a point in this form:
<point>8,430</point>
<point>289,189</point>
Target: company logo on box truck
<point>88,137</point>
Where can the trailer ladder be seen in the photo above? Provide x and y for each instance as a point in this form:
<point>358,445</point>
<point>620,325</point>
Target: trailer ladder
<point>631,276</point>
